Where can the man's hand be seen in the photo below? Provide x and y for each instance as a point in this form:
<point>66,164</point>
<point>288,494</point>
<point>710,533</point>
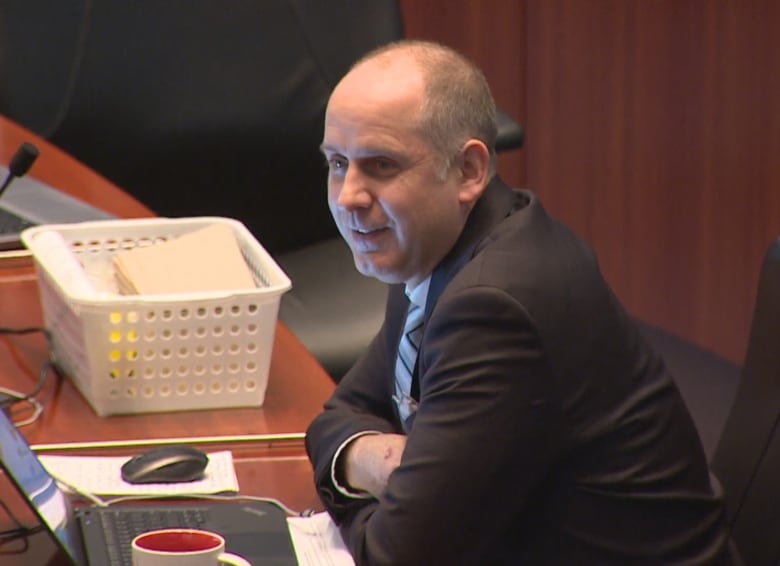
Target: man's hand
<point>369,459</point>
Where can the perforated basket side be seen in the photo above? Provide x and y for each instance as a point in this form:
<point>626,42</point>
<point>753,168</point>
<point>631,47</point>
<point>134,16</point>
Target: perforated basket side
<point>66,332</point>
<point>163,357</point>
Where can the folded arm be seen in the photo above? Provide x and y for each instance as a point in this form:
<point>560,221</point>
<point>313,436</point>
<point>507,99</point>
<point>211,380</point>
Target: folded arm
<point>483,438</point>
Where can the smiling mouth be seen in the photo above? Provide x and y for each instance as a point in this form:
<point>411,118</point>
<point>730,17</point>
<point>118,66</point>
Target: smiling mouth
<point>367,240</point>
<point>367,231</point>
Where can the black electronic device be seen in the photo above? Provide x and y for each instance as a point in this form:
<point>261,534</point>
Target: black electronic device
<point>93,535</point>
<point>30,202</point>
<point>21,162</point>
<point>166,464</point>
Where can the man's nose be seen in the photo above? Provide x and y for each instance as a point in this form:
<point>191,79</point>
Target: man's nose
<point>354,192</point>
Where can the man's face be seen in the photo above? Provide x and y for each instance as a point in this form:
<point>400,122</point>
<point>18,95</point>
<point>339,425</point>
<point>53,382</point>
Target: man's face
<point>385,189</point>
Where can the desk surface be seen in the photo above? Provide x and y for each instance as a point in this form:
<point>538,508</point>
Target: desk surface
<point>297,385</point>
<point>279,470</point>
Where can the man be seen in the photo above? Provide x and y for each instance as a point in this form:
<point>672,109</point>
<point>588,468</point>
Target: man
<point>517,417</point>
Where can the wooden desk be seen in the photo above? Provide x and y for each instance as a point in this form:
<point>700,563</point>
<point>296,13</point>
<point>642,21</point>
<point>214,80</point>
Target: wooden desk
<point>297,385</point>
<point>277,472</point>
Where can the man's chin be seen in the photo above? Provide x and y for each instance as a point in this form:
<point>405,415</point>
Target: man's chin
<point>376,271</point>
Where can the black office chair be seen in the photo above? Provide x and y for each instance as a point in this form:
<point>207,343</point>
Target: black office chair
<point>207,107</point>
<point>747,459</point>
<point>707,382</point>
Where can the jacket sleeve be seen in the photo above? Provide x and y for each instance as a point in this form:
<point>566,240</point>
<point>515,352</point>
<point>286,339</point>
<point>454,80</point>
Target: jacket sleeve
<point>483,438</point>
<point>361,402</point>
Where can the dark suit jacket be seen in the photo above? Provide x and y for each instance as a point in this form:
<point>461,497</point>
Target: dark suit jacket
<point>548,430</point>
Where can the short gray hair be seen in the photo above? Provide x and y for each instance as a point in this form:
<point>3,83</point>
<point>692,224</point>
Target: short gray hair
<point>458,104</point>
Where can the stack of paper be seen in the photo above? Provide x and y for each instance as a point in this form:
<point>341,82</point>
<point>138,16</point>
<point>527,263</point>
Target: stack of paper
<point>205,260</point>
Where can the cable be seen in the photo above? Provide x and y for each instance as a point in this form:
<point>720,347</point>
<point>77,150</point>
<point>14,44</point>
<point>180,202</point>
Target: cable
<point>24,330</point>
<point>73,72</point>
<point>10,343</point>
<point>21,332</point>
<point>9,539</point>
<point>10,513</point>
<point>47,365</point>
<point>10,397</point>
<point>14,397</point>
<point>20,531</point>
<point>82,492</point>
<point>42,373</point>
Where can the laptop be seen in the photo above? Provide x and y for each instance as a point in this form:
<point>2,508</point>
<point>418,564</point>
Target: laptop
<point>29,202</point>
<point>91,535</point>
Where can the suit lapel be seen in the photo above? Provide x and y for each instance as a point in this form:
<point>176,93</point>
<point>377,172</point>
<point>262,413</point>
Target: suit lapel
<point>496,203</point>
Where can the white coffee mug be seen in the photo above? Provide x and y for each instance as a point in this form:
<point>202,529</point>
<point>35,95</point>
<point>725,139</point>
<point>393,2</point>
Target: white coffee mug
<point>182,547</point>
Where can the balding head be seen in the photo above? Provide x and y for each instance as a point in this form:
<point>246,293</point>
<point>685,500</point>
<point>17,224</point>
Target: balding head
<point>456,103</point>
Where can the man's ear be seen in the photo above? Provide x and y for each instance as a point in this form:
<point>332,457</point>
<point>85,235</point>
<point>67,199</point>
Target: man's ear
<point>474,167</point>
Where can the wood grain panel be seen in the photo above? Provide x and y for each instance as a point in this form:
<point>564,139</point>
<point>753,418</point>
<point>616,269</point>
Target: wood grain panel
<point>652,128</point>
<point>655,135</point>
<point>492,35</point>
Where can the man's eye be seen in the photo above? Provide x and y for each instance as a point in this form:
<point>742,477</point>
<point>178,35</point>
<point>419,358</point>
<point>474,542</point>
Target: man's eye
<point>336,164</point>
<point>382,167</point>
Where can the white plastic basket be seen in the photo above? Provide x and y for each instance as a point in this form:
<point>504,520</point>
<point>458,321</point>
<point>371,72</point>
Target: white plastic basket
<point>154,353</point>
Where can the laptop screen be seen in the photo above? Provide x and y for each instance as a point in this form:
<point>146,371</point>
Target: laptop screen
<point>39,489</point>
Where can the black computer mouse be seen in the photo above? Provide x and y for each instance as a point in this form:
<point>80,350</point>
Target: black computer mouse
<point>168,464</point>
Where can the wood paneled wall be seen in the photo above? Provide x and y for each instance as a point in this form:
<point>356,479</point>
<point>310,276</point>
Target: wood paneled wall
<point>653,130</point>
<point>492,34</point>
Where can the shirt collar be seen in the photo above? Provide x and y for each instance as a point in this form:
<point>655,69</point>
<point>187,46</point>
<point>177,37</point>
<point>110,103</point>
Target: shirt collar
<point>418,294</point>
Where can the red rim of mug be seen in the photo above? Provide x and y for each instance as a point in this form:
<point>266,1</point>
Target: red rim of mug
<point>178,540</point>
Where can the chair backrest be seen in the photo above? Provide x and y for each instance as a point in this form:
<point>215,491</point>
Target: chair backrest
<point>193,106</point>
<point>747,459</point>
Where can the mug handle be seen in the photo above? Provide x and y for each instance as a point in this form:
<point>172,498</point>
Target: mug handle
<point>232,559</point>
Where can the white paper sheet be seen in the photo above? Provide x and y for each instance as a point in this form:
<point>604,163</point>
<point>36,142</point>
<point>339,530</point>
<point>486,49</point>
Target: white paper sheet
<point>317,541</point>
<point>101,475</point>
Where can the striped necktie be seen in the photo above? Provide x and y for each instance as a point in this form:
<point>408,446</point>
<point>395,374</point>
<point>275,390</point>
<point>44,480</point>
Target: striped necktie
<point>407,356</point>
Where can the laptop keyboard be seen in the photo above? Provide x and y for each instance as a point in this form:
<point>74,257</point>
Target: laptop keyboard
<point>10,223</point>
<point>122,525</point>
